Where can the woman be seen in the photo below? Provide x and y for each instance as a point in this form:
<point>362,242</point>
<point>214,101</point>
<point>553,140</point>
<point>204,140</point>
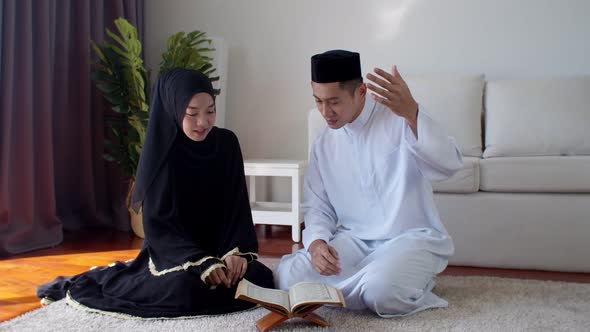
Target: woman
<point>199,235</point>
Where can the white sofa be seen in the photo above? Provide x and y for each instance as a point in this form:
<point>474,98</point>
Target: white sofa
<point>522,199</point>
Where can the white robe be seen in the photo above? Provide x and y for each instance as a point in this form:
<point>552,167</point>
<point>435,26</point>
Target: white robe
<point>368,193</point>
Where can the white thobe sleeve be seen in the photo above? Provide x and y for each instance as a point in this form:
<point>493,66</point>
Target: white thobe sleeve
<point>436,152</point>
<point>319,216</point>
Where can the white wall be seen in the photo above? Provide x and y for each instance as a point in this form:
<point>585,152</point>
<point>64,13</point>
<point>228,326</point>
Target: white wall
<point>270,43</point>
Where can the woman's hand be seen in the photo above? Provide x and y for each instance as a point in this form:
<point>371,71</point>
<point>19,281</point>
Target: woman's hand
<point>236,268</point>
<point>217,277</point>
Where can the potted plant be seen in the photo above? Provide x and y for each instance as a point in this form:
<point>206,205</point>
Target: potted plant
<point>121,76</point>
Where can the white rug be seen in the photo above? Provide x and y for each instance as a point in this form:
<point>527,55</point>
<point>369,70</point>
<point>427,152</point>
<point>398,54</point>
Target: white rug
<point>476,304</point>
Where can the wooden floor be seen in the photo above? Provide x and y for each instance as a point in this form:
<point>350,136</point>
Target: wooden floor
<point>19,275</point>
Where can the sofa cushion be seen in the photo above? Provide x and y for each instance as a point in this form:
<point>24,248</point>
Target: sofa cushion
<point>518,230</point>
<point>537,117</point>
<point>466,180</point>
<point>536,174</point>
<point>456,103</point>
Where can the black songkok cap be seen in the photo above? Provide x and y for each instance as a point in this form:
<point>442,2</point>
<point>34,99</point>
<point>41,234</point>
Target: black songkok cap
<point>335,66</point>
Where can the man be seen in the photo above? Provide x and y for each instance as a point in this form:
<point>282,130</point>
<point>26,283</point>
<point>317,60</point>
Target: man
<point>371,225</point>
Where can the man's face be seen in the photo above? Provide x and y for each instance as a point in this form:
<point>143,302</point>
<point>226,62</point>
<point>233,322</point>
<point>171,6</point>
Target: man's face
<point>338,106</point>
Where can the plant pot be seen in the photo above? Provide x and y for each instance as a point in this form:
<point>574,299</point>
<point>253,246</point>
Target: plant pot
<point>135,218</point>
<point>136,223</point>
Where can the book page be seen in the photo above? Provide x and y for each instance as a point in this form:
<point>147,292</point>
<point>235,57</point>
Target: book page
<point>313,292</point>
<point>267,295</point>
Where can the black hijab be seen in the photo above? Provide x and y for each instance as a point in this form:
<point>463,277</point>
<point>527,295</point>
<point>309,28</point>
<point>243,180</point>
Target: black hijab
<point>170,96</point>
<point>193,194</point>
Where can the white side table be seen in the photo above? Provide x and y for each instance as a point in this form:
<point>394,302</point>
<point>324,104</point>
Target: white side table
<point>276,213</point>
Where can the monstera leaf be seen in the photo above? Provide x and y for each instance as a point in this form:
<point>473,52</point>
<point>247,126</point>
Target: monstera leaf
<point>186,50</point>
<point>121,76</point>
<point>122,79</point>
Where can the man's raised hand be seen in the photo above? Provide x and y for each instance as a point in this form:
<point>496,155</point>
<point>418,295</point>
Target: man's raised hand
<point>391,90</point>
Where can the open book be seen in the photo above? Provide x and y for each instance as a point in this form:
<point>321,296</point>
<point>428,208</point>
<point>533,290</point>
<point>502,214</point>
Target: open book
<point>301,298</point>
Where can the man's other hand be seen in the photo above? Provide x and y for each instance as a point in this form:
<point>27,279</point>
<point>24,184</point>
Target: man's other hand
<point>324,258</point>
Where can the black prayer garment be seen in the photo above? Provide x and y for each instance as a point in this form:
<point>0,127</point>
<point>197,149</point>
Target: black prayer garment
<point>195,213</point>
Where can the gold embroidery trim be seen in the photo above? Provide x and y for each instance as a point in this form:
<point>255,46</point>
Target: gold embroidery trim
<point>230,253</point>
<point>70,301</point>
<point>185,266</point>
<point>236,251</point>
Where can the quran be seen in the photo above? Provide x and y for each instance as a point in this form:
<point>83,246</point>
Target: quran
<point>299,301</point>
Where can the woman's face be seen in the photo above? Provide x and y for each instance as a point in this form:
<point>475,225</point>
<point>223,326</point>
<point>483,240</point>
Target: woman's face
<point>199,116</point>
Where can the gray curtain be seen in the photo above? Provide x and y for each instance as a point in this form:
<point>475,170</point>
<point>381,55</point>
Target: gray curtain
<point>52,174</point>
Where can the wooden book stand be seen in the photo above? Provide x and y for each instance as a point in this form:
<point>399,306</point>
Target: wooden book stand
<point>274,318</point>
